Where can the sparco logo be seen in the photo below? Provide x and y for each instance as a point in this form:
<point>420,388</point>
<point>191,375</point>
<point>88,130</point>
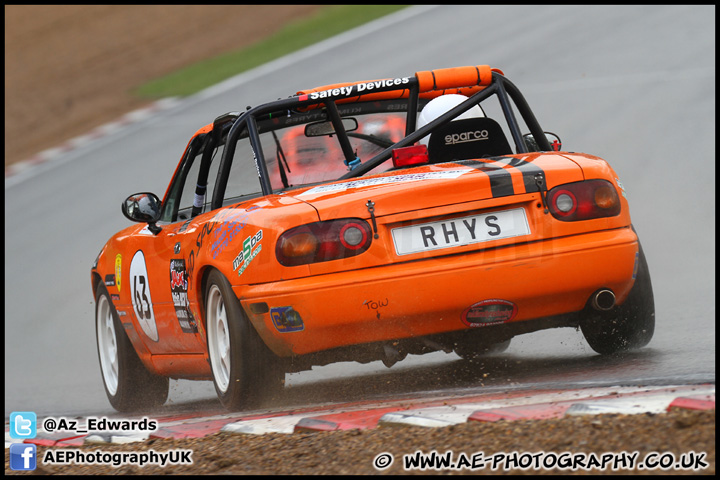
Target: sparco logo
<point>465,137</point>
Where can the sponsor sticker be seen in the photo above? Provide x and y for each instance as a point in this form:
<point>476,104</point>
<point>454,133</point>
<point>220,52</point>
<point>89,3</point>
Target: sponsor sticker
<point>251,247</point>
<point>286,319</point>
<point>357,89</point>
<point>230,221</point>
<point>178,289</point>
<point>118,270</point>
<point>372,182</point>
<point>489,312</point>
<point>466,137</point>
<point>620,186</point>
<point>637,263</point>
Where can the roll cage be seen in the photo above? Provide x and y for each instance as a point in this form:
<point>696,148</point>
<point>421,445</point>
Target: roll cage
<point>330,102</point>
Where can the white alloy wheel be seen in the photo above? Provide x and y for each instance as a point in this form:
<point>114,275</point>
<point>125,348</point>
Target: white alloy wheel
<point>218,338</point>
<point>107,344</point>
<point>129,386</point>
<point>244,370</point>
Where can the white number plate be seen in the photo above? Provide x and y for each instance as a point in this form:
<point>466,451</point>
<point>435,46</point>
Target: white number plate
<point>460,231</point>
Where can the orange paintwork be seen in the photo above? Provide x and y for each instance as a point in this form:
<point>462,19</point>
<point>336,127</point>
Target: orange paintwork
<point>444,78</point>
<point>425,298</point>
<point>378,295</point>
<point>432,83</point>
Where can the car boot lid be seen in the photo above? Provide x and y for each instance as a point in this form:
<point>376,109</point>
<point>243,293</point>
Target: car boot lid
<point>449,183</point>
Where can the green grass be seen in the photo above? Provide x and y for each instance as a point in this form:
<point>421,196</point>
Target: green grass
<point>329,21</point>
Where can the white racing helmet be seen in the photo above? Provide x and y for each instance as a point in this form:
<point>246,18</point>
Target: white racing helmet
<point>441,105</point>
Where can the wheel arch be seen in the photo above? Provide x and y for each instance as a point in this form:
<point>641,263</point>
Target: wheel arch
<point>95,281</point>
<point>203,276</point>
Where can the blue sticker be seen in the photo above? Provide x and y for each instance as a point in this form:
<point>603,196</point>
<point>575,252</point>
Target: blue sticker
<point>286,319</point>
<point>635,268</point>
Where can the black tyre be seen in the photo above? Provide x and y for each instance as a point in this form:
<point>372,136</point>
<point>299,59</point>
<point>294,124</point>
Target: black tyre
<point>245,372</point>
<point>469,351</point>
<point>128,384</point>
<point>629,326</point>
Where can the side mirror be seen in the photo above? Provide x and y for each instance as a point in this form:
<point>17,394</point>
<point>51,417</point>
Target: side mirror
<point>143,208</point>
<point>319,129</point>
<point>552,139</point>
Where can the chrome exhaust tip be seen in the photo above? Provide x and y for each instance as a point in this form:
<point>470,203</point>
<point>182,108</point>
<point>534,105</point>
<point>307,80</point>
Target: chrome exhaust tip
<point>603,300</point>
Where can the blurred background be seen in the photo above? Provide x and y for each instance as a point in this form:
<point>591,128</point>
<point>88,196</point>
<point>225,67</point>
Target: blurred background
<point>71,68</point>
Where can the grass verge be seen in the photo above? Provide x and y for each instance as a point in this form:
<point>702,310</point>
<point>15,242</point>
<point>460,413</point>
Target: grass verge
<point>329,21</point>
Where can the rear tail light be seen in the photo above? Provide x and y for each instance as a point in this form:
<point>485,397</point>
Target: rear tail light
<point>323,241</point>
<point>584,200</point>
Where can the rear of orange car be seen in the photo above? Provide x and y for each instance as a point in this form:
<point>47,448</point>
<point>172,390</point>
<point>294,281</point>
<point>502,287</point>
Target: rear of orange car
<point>490,245</point>
<point>365,221</point>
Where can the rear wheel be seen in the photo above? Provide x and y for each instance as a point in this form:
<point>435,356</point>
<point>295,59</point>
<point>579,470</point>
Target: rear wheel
<point>629,326</point>
<point>245,372</point>
<point>128,384</point>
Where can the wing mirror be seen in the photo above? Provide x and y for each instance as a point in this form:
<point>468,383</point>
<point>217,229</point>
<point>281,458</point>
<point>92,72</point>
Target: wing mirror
<point>143,208</point>
<point>319,129</point>
<point>552,139</point>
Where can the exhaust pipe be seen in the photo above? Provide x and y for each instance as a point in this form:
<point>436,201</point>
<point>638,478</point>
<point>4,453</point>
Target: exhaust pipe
<point>603,300</point>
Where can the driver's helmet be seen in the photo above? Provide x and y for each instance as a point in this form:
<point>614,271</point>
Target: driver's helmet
<point>441,105</point>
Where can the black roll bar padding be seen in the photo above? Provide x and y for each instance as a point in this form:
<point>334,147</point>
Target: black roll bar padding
<point>201,186</point>
<point>292,103</point>
<point>224,169</point>
<point>222,121</point>
<point>500,86</point>
<point>345,145</point>
<point>520,146</point>
<point>412,111</point>
<point>181,175</point>
<point>420,133</point>
<point>258,156</point>
<point>247,119</point>
<point>527,114</point>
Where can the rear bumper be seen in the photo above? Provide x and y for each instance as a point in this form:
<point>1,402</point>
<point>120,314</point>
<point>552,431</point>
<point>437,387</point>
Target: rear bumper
<point>421,298</point>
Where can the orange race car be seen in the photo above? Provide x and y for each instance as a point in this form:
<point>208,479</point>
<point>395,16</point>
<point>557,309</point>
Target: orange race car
<point>365,221</point>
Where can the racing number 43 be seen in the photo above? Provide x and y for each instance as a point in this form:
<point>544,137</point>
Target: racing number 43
<point>142,296</point>
<point>141,299</point>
